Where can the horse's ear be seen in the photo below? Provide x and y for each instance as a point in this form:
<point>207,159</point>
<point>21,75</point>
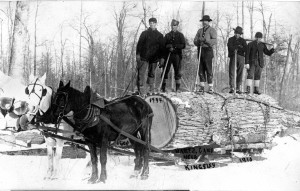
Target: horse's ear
<point>68,84</point>
<point>43,79</point>
<point>61,84</point>
<point>31,78</point>
<point>87,91</point>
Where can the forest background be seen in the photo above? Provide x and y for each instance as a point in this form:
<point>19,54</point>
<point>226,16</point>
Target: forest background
<point>94,42</point>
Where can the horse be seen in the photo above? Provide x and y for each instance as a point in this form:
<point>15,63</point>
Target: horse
<point>40,99</point>
<point>131,114</point>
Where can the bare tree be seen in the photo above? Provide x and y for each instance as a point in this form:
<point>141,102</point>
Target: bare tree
<point>35,43</point>
<point>19,41</point>
<point>250,9</point>
<point>286,68</point>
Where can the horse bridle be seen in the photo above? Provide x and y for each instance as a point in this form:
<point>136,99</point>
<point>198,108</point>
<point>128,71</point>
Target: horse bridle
<point>44,91</point>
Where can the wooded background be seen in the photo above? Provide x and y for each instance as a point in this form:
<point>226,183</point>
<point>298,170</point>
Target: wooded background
<point>87,53</point>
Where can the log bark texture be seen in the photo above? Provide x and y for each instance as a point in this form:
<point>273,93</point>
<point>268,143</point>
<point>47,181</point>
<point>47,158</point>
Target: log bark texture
<point>203,119</point>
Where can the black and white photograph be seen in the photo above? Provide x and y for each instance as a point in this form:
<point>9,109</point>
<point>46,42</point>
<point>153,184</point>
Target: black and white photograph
<point>149,95</point>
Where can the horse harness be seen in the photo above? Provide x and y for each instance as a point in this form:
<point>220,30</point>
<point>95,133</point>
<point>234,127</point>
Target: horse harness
<point>93,117</point>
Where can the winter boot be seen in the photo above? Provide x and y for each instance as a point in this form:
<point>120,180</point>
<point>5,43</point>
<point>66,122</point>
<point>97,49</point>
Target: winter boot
<point>256,90</point>
<point>238,90</point>
<point>163,87</point>
<point>151,88</point>
<point>248,90</point>
<point>210,89</point>
<point>178,88</point>
<point>200,90</point>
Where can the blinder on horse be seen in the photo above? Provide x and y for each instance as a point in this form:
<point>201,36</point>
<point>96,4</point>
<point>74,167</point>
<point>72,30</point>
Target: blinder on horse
<point>44,91</point>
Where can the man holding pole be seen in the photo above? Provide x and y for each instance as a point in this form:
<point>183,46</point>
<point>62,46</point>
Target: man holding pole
<point>175,42</point>
<point>149,51</point>
<point>205,39</point>
<point>237,48</point>
<point>255,62</point>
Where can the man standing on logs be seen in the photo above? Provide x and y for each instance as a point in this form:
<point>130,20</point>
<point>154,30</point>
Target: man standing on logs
<point>237,48</point>
<point>149,51</point>
<point>205,39</point>
<point>175,42</point>
<point>255,62</point>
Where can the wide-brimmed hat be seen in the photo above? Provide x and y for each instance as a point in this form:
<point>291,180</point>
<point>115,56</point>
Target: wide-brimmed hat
<point>153,20</point>
<point>258,35</point>
<point>205,18</point>
<point>174,22</point>
<point>238,30</point>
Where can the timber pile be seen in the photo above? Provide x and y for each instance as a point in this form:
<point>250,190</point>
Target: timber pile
<point>203,119</point>
<point>33,136</point>
<point>68,152</point>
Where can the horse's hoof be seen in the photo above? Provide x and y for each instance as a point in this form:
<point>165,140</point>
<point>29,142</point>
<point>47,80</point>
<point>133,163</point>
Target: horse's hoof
<point>92,181</point>
<point>101,180</point>
<point>144,177</point>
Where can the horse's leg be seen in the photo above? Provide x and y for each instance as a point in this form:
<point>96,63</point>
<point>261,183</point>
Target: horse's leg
<point>103,158</point>
<point>57,157</point>
<point>138,159</point>
<point>50,156</point>
<point>93,153</point>
<point>146,149</point>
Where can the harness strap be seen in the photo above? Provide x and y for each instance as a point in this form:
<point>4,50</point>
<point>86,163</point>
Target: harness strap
<point>106,120</point>
<point>71,123</point>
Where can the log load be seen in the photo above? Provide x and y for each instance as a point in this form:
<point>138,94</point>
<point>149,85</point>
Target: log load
<point>227,120</point>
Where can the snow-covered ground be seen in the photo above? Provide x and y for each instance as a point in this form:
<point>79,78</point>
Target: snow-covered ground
<point>280,171</point>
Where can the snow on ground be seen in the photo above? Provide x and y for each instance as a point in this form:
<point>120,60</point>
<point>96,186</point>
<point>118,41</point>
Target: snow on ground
<point>280,171</point>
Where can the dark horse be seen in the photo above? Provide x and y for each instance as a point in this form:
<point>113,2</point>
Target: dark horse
<point>132,114</point>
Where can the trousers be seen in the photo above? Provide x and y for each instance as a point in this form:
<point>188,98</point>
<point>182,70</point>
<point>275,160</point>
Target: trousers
<point>142,77</point>
<point>254,71</point>
<point>205,67</point>
<point>174,60</point>
<point>240,62</point>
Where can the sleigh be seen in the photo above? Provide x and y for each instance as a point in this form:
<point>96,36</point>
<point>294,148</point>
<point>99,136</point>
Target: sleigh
<point>206,131</point>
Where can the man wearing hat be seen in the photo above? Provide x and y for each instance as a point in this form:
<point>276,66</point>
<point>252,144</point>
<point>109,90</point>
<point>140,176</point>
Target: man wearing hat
<point>236,43</point>
<point>206,38</point>
<point>255,61</point>
<point>149,51</point>
<point>175,42</point>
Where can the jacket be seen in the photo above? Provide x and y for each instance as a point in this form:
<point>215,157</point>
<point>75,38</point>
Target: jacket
<point>209,34</point>
<point>255,53</point>
<point>233,43</point>
<point>150,45</point>
<point>175,40</point>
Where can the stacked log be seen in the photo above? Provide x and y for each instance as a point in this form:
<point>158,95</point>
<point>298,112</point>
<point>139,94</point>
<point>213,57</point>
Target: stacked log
<point>227,120</point>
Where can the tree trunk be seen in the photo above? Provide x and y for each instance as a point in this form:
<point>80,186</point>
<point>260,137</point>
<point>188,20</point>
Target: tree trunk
<point>250,9</point>
<point>203,8</point>
<point>34,53</point>
<point>237,14</point>
<point>243,15</point>
<point>19,42</point>
<point>285,72</point>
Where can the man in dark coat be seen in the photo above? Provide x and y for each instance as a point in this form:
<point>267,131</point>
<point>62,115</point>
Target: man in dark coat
<point>206,38</point>
<point>255,62</point>
<point>175,42</point>
<point>236,43</point>
<point>149,51</point>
